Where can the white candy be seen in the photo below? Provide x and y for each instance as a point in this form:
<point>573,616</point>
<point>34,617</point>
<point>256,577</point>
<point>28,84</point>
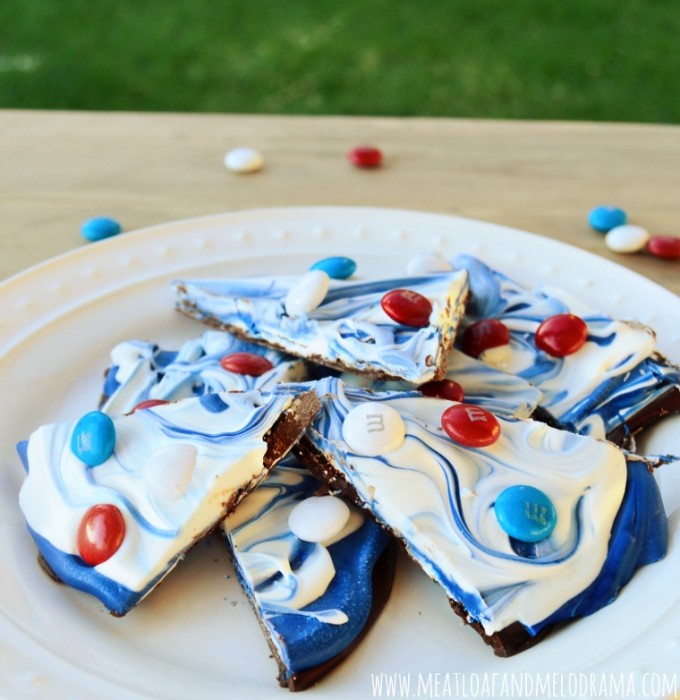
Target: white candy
<point>307,293</point>
<point>168,471</point>
<point>428,262</point>
<point>628,238</point>
<point>498,357</point>
<point>371,429</point>
<point>318,518</point>
<point>244,160</point>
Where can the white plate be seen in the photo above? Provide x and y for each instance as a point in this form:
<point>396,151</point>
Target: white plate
<point>196,636</point>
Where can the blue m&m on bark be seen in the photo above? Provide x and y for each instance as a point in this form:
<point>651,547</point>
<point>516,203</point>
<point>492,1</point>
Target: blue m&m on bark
<point>94,438</point>
<point>337,267</point>
<point>525,513</point>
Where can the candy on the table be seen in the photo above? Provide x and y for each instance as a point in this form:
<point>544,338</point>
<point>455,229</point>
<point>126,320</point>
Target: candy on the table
<point>94,438</point>
<point>471,426</point>
<point>666,247</point>
<point>337,267</point>
<point>448,389</point>
<point>605,218</point>
<point>365,157</point>
<point>307,293</point>
<point>561,335</point>
<point>407,307</point>
<point>484,335</point>
<point>244,160</point>
<point>100,533</point>
<point>628,238</point>
<point>168,470</point>
<point>247,363</point>
<point>318,518</point>
<point>525,513</point>
<point>427,263</point>
<point>100,227</point>
<point>372,429</point>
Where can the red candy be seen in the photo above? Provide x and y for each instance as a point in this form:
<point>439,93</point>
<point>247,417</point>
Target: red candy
<point>247,363</point>
<point>407,307</point>
<point>666,247</point>
<point>484,335</point>
<point>365,157</point>
<point>149,403</point>
<point>444,389</point>
<point>561,335</point>
<point>100,534</point>
<point>471,426</point>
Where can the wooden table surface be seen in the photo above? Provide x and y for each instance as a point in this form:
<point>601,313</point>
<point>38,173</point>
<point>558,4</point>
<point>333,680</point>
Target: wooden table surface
<point>58,169</point>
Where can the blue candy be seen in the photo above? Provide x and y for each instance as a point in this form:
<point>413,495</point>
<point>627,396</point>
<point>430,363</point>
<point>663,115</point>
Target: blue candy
<point>525,513</point>
<point>604,219</point>
<point>94,438</point>
<point>99,228</point>
<point>337,268</point>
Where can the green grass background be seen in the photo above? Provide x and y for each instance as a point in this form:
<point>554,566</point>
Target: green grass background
<point>616,60</point>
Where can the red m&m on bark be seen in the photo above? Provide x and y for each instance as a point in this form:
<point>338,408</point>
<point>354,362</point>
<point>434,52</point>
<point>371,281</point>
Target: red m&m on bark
<point>148,403</point>
<point>247,363</point>
<point>561,335</point>
<point>407,307</point>
<point>484,335</point>
<point>443,389</point>
<point>100,534</point>
<point>471,426</point>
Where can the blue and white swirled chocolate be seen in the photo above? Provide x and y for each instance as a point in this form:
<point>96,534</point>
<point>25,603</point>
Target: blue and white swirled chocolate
<point>313,598</point>
<point>501,393</point>
<point>438,498</point>
<point>593,391</point>
<point>348,330</point>
<point>142,370</point>
<point>220,437</point>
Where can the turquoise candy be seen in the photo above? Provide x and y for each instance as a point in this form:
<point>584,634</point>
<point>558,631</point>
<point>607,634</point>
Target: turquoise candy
<point>337,268</point>
<point>94,438</point>
<point>99,228</point>
<point>604,219</point>
<point>525,513</point>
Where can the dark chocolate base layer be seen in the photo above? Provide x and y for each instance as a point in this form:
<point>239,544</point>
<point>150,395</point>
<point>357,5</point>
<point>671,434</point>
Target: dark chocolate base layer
<point>665,404</point>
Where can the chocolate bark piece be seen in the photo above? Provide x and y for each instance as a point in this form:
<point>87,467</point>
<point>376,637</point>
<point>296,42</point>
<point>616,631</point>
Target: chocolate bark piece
<point>144,370</point>
<point>315,599</point>
<point>175,472</point>
<point>437,498</point>
<point>348,330</point>
<point>614,387</point>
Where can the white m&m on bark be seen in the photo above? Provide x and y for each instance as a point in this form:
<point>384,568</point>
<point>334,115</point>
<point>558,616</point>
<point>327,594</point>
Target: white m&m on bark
<point>307,293</point>
<point>371,429</point>
<point>318,518</point>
